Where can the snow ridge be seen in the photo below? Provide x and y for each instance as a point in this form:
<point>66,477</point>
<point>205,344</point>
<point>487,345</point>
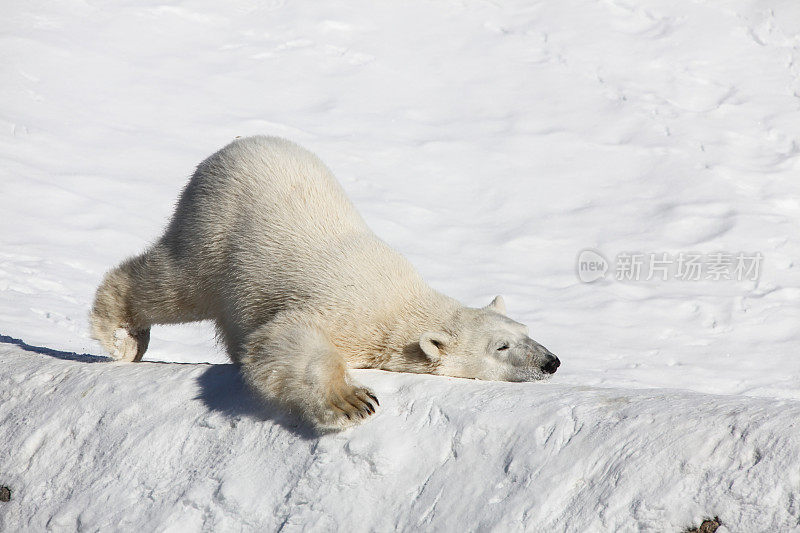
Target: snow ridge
<point>186,447</point>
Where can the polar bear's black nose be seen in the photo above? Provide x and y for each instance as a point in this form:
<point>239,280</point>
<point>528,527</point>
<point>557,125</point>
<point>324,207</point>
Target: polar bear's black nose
<point>551,365</point>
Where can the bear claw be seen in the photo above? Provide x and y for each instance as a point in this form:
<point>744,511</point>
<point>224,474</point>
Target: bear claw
<point>352,405</point>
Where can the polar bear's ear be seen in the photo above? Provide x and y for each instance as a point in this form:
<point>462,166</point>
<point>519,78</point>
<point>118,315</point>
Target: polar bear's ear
<point>434,344</point>
<point>498,305</point>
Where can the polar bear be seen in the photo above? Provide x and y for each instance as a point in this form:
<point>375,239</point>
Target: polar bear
<point>265,243</point>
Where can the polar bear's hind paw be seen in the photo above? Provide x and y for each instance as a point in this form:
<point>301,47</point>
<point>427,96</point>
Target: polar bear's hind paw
<point>130,345</point>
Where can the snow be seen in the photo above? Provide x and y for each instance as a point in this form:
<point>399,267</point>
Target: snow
<point>185,447</point>
<point>491,144</point>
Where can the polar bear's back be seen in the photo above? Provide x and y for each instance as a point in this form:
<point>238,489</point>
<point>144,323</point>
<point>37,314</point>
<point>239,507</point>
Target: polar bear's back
<point>263,225</point>
<point>270,181</point>
<point>262,190</point>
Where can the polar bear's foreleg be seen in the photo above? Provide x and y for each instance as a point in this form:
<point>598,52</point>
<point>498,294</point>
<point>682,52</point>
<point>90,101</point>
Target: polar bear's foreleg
<point>292,363</point>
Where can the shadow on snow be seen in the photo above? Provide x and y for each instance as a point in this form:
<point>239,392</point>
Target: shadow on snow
<point>222,389</point>
<point>58,354</point>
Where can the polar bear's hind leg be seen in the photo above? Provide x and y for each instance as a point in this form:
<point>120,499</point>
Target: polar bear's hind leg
<point>144,290</point>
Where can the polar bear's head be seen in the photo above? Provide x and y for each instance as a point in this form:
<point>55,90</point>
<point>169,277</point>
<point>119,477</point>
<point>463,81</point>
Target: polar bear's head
<point>485,344</point>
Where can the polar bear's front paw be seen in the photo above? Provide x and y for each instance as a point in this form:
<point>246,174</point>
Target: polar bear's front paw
<point>130,345</point>
<point>349,406</point>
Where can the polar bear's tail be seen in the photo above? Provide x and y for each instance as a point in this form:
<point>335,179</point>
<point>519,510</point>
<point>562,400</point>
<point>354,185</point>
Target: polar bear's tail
<point>147,289</point>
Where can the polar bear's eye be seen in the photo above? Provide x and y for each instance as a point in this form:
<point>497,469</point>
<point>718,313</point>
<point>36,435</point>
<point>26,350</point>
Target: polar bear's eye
<point>503,347</point>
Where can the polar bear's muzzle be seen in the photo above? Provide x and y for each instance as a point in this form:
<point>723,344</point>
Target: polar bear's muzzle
<point>551,364</point>
<point>542,357</point>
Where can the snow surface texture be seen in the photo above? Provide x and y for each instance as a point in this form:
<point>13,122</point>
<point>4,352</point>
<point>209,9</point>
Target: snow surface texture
<point>488,143</point>
<point>185,447</point>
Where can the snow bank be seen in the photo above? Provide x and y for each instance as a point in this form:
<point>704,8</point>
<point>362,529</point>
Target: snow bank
<point>91,445</point>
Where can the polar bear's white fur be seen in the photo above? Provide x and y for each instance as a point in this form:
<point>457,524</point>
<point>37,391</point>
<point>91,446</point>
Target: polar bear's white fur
<point>265,243</point>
